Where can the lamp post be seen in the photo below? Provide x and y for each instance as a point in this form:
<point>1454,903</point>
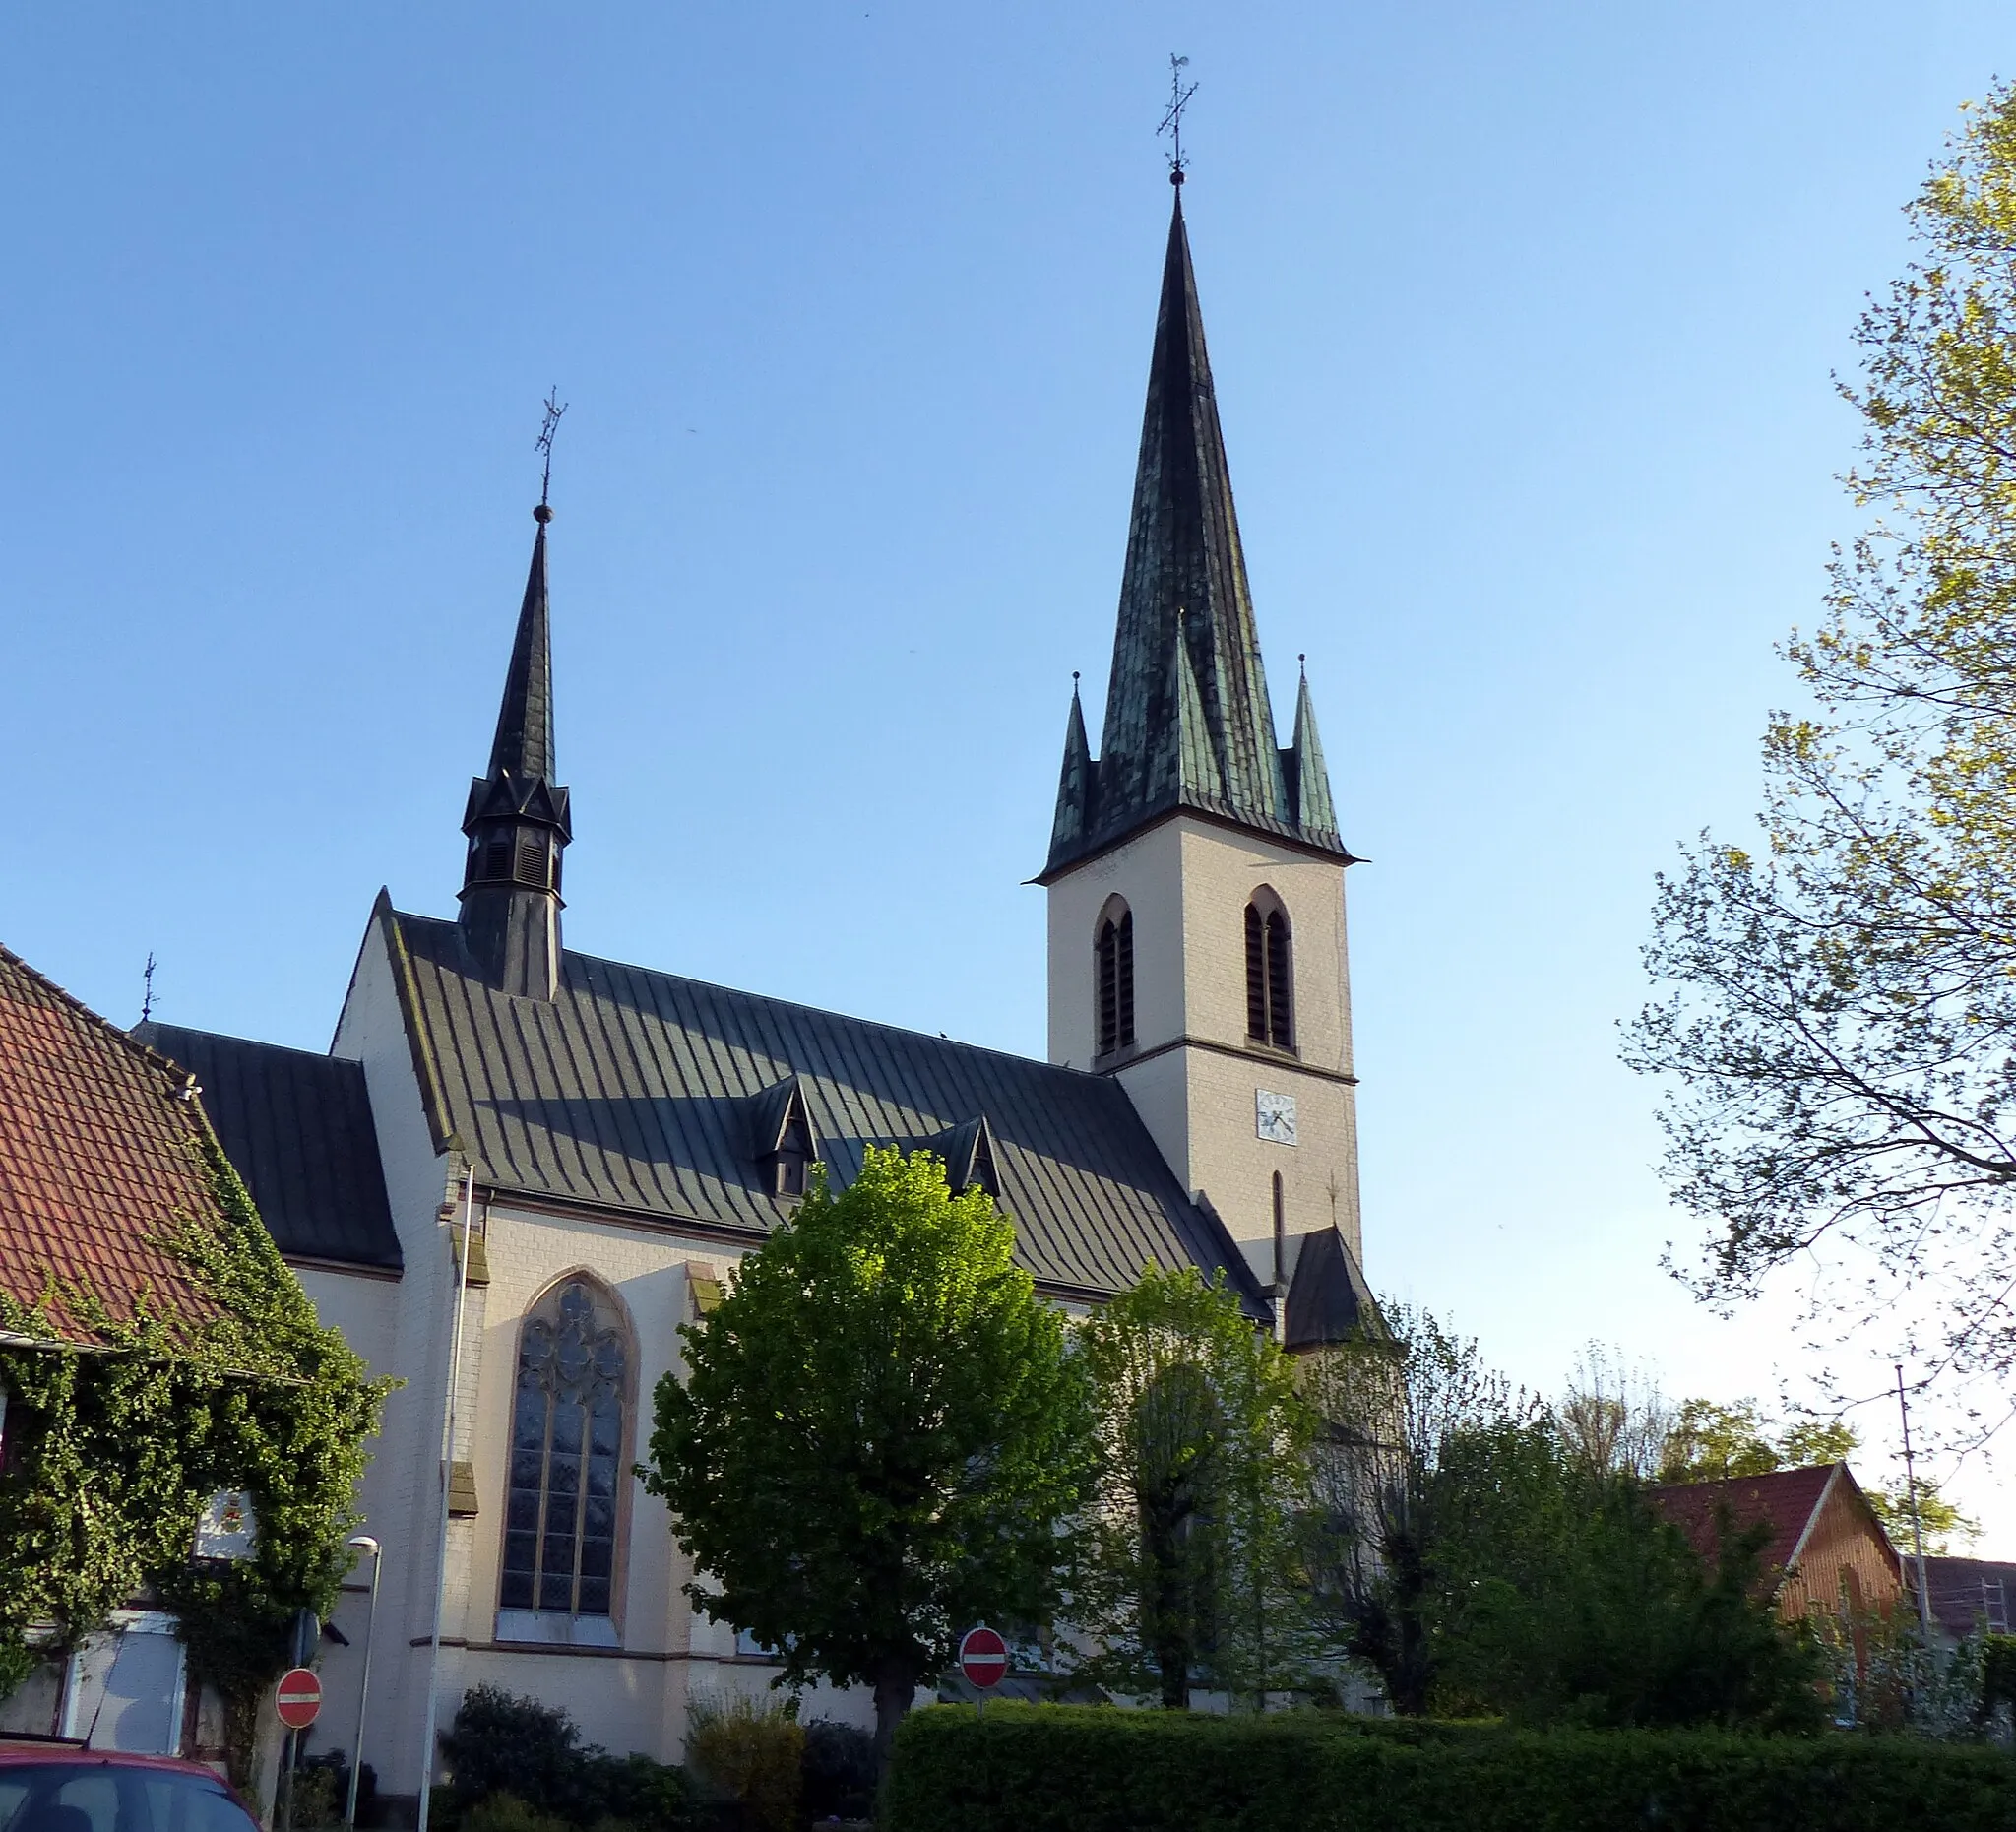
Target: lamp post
<point>364,1543</point>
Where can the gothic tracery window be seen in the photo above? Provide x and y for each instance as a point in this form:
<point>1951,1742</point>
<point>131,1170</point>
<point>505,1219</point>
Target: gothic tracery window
<point>1269,973</point>
<point>1113,954</point>
<point>567,1434</point>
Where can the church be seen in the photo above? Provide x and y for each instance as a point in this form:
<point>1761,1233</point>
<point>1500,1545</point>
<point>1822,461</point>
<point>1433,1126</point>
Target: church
<point>618,1136</point>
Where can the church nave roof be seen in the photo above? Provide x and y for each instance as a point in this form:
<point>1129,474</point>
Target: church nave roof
<point>632,1090</point>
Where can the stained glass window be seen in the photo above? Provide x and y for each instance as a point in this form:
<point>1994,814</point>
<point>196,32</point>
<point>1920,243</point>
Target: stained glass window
<point>566,1454</point>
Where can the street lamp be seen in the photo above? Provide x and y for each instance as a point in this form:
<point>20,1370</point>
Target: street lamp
<point>364,1543</point>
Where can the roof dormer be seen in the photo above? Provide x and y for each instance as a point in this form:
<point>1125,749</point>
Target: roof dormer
<point>783,1139</point>
<point>967,1150</point>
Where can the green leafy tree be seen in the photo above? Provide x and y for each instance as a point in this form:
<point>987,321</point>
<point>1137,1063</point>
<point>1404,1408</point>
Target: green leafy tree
<point>1840,1027</point>
<point>1942,1523</point>
<point>1191,1576</point>
<point>878,1434</point>
<point>1712,1443</point>
<point>1393,1404</point>
<point>1561,1596</point>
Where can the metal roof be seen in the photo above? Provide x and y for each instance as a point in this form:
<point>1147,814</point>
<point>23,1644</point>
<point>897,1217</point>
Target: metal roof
<point>1188,722</point>
<point>634,1090</point>
<point>1328,1300</point>
<point>298,1127</point>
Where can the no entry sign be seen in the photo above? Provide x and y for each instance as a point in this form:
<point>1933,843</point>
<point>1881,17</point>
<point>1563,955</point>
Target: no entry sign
<point>982,1657</point>
<point>300,1698</point>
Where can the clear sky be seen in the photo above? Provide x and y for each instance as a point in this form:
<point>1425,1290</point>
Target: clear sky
<point>1523,321</point>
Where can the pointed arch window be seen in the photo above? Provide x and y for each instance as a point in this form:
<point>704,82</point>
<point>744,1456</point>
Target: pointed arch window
<point>1114,955</point>
<point>1270,972</point>
<point>569,1426</point>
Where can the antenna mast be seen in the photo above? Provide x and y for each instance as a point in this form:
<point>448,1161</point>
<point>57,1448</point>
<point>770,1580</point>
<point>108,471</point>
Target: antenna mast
<point>1917,1532</point>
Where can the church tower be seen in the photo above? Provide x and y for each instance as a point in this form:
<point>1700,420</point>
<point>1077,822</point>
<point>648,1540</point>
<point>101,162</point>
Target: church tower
<point>518,821</point>
<point>1195,873</point>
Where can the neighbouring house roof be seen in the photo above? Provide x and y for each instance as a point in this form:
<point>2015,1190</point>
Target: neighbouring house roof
<point>642,1091</point>
<point>100,1159</point>
<point>1788,1502</point>
<point>298,1127</point>
<point>1966,1592</point>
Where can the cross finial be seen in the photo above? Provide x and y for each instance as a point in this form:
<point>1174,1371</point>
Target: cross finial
<point>146,988</point>
<point>544,445</point>
<point>1173,121</point>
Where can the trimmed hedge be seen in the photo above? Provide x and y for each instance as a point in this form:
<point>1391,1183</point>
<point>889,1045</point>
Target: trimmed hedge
<point>1050,1768</point>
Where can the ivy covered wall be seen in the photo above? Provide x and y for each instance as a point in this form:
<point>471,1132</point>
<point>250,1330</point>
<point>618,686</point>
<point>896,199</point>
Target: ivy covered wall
<point>114,1447</point>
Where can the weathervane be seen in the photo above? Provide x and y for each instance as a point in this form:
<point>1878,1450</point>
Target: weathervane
<point>1173,122</point>
<point>544,445</point>
<point>146,988</point>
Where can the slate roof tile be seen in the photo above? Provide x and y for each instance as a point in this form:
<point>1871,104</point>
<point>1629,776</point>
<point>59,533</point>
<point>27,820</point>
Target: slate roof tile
<point>298,1127</point>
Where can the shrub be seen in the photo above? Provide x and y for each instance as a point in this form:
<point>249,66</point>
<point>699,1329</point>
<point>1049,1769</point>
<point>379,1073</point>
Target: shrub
<point>506,1812</point>
<point>840,1771</point>
<point>313,1800</point>
<point>501,1744</point>
<point>1068,1769</point>
<point>749,1753</point>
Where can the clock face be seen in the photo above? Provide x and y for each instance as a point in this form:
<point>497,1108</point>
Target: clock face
<point>1273,1116</point>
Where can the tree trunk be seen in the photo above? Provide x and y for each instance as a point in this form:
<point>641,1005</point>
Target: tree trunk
<point>895,1684</point>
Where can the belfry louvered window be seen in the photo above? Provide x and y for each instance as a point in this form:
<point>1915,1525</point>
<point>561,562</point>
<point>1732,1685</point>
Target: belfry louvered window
<point>567,1432</point>
<point>1269,974</point>
<point>1113,954</point>
<point>497,854</point>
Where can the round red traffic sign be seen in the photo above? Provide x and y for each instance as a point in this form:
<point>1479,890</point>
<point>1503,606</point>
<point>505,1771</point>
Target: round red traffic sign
<point>982,1657</point>
<point>300,1698</point>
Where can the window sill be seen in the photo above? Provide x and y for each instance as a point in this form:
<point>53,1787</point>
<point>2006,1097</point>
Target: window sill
<point>555,1629</point>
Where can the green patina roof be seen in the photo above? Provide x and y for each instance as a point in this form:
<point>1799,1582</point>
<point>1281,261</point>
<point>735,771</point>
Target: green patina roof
<point>1188,724</point>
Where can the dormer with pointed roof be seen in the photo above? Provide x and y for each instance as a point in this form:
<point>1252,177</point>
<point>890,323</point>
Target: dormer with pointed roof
<point>518,819</point>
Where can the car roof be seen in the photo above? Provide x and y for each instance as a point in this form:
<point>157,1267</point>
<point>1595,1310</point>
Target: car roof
<point>74,1755</point>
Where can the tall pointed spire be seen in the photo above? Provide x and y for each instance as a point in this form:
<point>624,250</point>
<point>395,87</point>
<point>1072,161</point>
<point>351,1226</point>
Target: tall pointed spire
<point>1184,589</point>
<point>524,744</point>
<point>518,819</point>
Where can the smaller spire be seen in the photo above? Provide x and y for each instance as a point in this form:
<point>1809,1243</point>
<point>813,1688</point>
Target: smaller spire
<point>1076,782</point>
<point>1308,777</point>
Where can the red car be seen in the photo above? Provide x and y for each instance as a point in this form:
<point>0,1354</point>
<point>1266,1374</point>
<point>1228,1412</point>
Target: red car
<point>60,1788</point>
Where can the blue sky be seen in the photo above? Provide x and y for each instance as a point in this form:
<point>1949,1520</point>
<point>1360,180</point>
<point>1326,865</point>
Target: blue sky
<point>1523,322</point>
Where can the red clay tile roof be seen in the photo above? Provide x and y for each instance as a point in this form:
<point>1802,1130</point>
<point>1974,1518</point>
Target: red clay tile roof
<point>100,1154</point>
<point>1787,1500</point>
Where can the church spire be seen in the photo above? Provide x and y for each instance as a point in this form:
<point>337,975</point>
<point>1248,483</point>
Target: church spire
<point>1200,733</point>
<point>517,820</point>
